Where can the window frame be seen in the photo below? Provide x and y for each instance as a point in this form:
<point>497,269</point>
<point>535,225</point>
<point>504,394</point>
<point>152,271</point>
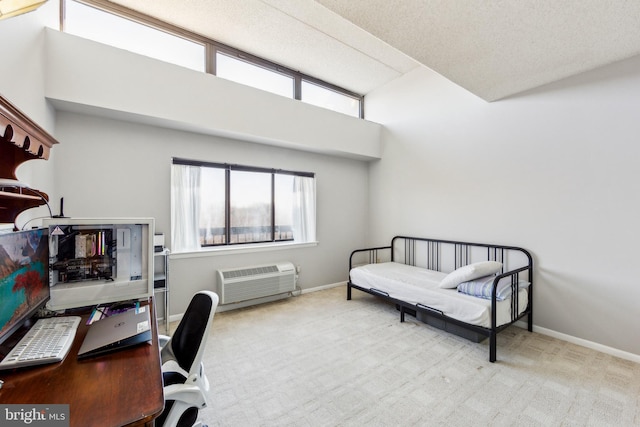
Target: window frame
<point>259,65</point>
<point>228,168</point>
<point>149,30</point>
<point>213,46</point>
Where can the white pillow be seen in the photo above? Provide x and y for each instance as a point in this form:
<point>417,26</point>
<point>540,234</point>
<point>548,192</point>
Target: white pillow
<point>470,272</point>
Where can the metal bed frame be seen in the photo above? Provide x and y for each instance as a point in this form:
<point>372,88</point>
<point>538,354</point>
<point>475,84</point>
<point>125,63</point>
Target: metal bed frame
<point>447,255</point>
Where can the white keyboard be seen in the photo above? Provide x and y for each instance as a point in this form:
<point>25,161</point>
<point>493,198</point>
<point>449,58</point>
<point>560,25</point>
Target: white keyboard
<point>48,341</point>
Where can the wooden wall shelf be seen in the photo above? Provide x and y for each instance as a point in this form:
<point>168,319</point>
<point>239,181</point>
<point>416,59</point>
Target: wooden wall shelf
<point>21,139</point>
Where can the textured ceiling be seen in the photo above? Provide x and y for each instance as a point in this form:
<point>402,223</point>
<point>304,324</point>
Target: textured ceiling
<point>493,48</point>
<point>299,34</point>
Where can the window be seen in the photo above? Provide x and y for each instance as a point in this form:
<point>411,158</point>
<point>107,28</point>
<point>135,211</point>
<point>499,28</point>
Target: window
<point>216,204</point>
<point>116,25</point>
<point>252,75</point>
<point>94,24</point>
<point>250,207</point>
<point>322,97</point>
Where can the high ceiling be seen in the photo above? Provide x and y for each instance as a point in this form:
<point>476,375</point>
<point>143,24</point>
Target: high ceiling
<point>493,48</point>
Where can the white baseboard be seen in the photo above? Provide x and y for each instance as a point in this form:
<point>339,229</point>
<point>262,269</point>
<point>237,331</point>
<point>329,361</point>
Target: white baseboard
<point>584,343</point>
<point>175,317</point>
<point>324,287</point>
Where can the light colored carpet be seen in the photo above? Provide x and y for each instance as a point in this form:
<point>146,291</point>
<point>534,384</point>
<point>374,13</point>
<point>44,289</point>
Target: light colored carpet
<point>320,360</point>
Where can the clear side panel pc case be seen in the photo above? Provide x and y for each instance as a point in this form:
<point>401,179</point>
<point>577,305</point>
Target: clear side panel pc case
<point>99,260</point>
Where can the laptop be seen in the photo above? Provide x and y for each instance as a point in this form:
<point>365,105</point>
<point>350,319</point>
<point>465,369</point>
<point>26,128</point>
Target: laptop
<point>116,332</point>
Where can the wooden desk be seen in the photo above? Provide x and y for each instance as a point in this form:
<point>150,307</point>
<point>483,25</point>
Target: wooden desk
<point>116,389</point>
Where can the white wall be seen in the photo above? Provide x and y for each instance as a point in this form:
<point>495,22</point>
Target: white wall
<point>22,65</point>
<point>553,170</point>
<point>22,84</point>
<point>112,168</point>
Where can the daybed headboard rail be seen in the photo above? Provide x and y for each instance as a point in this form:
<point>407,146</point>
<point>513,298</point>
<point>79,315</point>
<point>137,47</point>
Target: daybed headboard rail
<point>411,251</point>
<point>369,256</point>
<point>514,275</point>
<point>448,255</point>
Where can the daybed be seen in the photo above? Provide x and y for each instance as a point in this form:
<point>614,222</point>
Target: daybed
<point>474,290</point>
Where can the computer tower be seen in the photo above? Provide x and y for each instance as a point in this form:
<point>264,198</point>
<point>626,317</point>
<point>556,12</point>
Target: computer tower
<point>99,260</point>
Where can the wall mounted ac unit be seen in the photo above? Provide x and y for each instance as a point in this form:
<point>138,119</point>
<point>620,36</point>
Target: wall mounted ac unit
<point>245,283</point>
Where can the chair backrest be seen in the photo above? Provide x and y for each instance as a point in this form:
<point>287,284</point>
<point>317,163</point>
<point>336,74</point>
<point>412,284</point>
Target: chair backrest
<point>189,339</point>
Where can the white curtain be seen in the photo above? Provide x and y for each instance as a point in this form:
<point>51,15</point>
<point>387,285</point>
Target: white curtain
<point>185,208</point>
<point>304,209</point>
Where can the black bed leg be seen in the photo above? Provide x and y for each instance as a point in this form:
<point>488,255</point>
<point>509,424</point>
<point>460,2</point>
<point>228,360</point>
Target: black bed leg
<point>530,322</point>
<point>348,292</point>
<point>492,347</point>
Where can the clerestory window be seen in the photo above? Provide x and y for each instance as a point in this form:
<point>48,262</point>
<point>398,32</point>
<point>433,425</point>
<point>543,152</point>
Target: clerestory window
<point>107,28</point>
<point>115,25</point>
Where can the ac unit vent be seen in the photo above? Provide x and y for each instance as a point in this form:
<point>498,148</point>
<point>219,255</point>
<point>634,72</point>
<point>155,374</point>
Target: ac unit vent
<point>245,283</point>
<point>251,271</point>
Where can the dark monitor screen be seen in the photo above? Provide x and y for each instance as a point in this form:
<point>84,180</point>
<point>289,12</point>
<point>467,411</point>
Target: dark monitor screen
<point>24,277</point>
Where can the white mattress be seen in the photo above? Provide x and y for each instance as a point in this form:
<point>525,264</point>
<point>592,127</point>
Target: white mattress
<point>417,285</point>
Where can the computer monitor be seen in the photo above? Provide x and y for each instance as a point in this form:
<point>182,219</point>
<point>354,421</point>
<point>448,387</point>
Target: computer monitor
<point>24,277</point>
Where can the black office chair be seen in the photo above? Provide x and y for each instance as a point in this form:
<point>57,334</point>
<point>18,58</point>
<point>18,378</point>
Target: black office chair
<point>185,383</point>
